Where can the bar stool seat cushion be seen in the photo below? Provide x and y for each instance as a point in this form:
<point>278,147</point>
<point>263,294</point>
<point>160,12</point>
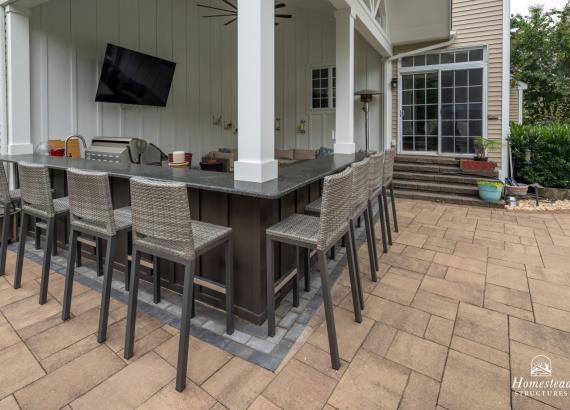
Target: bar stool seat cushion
<point>123,220</point>
<point>296,228</point>
<point>203,235</point>
<point>314,207</point>
<point>61,205</point>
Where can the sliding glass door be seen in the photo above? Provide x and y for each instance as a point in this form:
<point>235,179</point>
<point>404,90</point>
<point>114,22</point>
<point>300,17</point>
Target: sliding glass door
<point>420,128</point>
<point>442,104</point>
<point>461,110</point>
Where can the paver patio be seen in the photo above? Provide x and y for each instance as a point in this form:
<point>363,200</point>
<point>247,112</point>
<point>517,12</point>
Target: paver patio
<point>468,297</point>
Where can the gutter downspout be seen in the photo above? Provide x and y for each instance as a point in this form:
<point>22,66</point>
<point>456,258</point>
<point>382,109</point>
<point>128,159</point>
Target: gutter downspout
<point>387,120</point>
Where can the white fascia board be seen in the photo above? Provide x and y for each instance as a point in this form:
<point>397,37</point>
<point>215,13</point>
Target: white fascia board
<point>367,26</point>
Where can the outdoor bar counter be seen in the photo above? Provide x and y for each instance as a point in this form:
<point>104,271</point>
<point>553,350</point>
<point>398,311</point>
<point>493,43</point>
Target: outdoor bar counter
<point>248,208</point>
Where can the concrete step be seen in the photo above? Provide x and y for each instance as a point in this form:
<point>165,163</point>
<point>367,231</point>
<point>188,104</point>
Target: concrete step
<point>426,168</point>
<point>426,186</point>
<point>426,159</point>
<point>446,198</point>
<point>439,169</point>
<point>442,178</point>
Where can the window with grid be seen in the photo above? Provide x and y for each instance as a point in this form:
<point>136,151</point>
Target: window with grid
<point>323,88</point>
<point>442,104</point>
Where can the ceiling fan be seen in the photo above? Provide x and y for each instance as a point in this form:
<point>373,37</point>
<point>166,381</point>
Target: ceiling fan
<point>232,12</point>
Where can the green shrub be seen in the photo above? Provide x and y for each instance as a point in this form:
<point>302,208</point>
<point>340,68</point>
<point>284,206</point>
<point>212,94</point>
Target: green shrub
<point>550,154</point>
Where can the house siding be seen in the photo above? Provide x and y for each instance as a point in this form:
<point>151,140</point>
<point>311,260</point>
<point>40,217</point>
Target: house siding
<point>477,23</point>
<point>514,107</point>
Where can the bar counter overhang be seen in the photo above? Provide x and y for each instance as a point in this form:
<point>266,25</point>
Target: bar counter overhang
<point>248,208</point>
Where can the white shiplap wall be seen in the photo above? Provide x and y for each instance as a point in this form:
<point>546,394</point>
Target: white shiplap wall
<point>68,43</point>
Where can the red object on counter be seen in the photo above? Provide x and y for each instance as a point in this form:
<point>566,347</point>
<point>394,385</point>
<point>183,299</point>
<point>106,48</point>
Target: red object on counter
<point>187,158</point>
<point>56,152</point>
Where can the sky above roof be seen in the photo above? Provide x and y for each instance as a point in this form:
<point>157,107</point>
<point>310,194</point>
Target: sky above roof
<point>521,6</point>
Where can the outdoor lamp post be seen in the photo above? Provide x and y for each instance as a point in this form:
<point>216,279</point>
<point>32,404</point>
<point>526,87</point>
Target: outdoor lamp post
<point>366,97</point>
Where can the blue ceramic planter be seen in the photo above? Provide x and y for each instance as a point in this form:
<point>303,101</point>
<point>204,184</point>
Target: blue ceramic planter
<point>490,194</point>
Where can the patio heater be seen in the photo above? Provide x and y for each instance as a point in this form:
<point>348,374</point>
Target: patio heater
<point>366,97</point>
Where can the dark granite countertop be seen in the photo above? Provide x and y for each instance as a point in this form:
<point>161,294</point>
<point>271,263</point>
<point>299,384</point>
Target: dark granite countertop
<point>291,177</point>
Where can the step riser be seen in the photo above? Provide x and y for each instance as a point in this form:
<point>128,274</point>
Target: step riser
<point>426,168</point>
<point>427,160</point>
<point>458,200</point>
<point>458,190</point>
<point>445,179</point>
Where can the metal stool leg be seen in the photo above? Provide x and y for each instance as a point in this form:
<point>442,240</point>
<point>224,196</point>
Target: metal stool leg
<point>270,290</point>
<point>155,281</point>
<point>78,259</point>
<point>132,312</point>
<point>373,231</point>
<point>68,290</point>
<point>106,291</point>
<point>21,250</point>
<point>382,224</point>
<point>296,278</point>
<point>329,314</point>
<point>38,235</point>
<point>47,261</point>
<point>371,245</point>
<point>307,263</point>
<point>229,287</point>
<point>352,247</point>
<point>182,366</point>
<point>6,225</point>
<point>394,207</point>
<point>128,263</point>
<point>387,214</point>
<point>54,248</point>
<point>354,287</point>
<point>99,256</point>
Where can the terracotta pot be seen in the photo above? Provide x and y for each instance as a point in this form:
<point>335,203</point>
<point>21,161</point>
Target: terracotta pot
<point>472,165</point>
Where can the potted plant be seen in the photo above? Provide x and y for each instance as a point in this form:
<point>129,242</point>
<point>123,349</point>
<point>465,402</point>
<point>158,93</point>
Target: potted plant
<point>481,163</point>
<point>490,191</point>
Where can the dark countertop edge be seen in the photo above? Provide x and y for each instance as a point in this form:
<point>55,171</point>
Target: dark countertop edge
<point>249,189</point>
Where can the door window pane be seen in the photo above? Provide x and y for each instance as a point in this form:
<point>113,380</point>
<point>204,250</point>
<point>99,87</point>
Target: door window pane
<point>461,111</point>
<point>431,80</point>
<point>447,79</point>
<point>431,112</point>
<point>475,94</point>
<point>476,76</point>
<point>461,146</point>
<point>419,81</point>
<point>407,82</point>
<point>419,60</point>
<point>476,55</point>
<point>461,56</point>
<point>446,95</point>
<point>460,95</point>
<point>408,113</point>
<point>407,97</point>
<point>461,78</point>
<point>407,61</point>
<point>433,59</point>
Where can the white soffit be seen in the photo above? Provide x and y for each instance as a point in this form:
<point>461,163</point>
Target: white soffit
<point>27,4</point>
<point>415,21</point>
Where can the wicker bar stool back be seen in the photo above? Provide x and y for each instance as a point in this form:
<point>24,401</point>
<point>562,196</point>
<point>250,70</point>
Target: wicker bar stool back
<point>162,227</point>
<point>317,233</point>
<point>376,182</point>
<point>37,202</point>
<point>388,183</point>
<point>91,213</point>
<point>161,213</point>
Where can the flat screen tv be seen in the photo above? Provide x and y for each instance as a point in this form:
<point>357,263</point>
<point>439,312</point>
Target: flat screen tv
<point>130,77</point>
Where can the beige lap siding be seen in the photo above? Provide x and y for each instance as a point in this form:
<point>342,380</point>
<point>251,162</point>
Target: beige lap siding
<point>477,23</point>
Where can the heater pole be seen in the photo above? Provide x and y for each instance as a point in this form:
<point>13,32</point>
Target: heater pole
<point>365,108</point>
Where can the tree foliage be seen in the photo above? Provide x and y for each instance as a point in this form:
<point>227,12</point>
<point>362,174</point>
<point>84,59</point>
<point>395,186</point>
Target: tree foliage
<point>540,56</point>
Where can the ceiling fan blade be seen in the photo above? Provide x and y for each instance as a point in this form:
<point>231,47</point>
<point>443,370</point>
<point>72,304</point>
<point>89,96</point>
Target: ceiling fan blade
<point>230,22</point>
<point>215,8</point>
<point>284,16</point>
<point>219,15</point>
<point>280,5</point>
<point>230,4</point>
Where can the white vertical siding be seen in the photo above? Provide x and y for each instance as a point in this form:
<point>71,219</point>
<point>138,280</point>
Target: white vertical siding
<point>68,43</point>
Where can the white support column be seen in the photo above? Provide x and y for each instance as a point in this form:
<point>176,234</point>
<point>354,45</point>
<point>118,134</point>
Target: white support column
<point>344,82</point>
<point>256,92</point>
<point>18,80</point>
<point>387,106</point>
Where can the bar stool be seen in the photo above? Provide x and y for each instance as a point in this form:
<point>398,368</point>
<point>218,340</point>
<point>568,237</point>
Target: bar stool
<point>37,202</point>
<point>375,192</point>
<point>91,213</point>
<point>319,233</point>
<point>359,202</point>
<point>162,227</point>
<point>388,177</point>
<point>7,200</point>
